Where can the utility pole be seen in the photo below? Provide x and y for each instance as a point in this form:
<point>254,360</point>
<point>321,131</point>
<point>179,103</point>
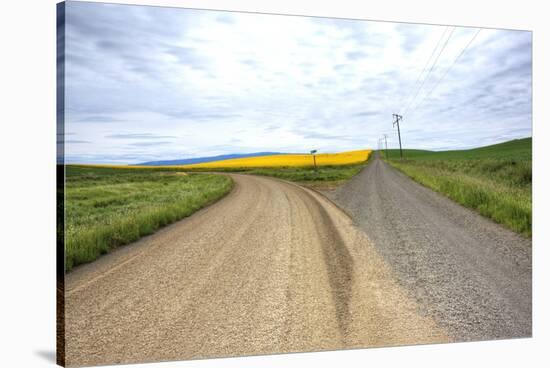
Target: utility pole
<point>386,140</point>
<point>397,118</point>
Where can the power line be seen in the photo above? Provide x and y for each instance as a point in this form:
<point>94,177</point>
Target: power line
<point>427,63</point>
<point>448,69</point>
<point>431,68</point>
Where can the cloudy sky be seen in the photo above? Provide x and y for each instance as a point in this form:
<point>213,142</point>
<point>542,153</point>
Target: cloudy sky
<point>150,83</point>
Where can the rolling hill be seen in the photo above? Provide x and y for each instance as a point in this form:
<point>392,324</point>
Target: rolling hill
<point>200,160</point>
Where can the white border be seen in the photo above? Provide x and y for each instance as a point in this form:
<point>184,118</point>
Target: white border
<point>27,205</point>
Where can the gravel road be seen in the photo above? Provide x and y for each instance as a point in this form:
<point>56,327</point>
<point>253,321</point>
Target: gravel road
<point>271,268</point>
<point>470,275</point>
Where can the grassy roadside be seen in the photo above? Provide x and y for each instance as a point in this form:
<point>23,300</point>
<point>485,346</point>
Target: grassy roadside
<point>493,180</point>
<point>325,178</point>
<point>106,207</point>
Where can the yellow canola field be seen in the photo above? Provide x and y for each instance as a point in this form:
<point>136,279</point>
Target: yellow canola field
<point>286,160</point>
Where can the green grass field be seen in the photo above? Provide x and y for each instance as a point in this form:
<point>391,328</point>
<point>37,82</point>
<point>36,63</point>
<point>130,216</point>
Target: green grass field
<point>106,207</point>
<point>325,177</point>
<point>493,180</point>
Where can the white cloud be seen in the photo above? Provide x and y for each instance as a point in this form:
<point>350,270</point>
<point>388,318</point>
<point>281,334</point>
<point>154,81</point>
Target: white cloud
<point>221,82</point>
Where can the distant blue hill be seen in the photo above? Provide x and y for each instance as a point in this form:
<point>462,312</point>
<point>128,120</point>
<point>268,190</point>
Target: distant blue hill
<point>200,160</point>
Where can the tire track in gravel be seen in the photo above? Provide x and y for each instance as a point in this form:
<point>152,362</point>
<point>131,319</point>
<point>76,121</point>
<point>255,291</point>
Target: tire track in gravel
<point>270,268</point>
<point>466,272</point>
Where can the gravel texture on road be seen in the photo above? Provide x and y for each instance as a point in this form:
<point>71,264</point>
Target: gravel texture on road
<point>271,268</point>
<point>466,272</point>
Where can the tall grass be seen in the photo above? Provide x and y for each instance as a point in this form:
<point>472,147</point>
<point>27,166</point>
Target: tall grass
<point>495,180</point>
<point>106,208</point>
